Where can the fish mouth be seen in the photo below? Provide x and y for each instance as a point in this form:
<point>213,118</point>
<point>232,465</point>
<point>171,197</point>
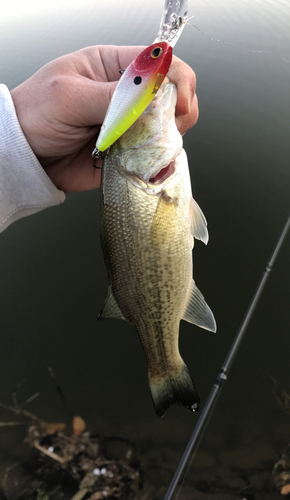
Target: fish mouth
<point>163,174</point>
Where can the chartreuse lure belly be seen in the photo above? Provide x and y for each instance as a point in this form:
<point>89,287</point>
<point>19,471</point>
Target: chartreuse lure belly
<point>135,90</point>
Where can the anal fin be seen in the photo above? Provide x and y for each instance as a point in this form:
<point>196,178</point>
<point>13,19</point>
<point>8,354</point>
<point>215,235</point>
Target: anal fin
<point>198,312</point>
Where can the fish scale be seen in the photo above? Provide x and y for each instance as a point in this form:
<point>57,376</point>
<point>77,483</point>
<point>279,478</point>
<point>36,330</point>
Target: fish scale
<point>147,264</point>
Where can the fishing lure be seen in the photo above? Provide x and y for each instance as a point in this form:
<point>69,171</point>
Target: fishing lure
<point>143,77</point>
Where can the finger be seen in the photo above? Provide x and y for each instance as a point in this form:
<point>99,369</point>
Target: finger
<point>97,97</point>
<point>86,103</point>
<point>90,96</point>
<point>184,78</point>
<point>107,60</point>
<point>185,122</point>
<point>76,172</point>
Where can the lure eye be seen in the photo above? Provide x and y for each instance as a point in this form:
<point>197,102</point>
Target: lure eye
<point>156,52</point>
<point>137,80</point>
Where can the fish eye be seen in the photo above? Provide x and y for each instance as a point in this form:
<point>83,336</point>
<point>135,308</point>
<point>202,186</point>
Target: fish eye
<point>137,80</point>
<point>156,52</point>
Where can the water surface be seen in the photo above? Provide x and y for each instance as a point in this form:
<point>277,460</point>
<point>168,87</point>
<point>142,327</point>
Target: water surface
<point>53,279</point>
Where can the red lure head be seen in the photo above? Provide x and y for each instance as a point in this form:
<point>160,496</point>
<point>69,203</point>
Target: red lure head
<point>156,58</point>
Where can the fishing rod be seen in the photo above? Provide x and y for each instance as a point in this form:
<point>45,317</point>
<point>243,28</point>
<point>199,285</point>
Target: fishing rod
<point>222,376</point>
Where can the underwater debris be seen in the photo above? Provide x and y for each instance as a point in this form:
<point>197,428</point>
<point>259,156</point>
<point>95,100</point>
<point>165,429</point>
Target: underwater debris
<point>282,396</point>
<point>281,470</point>
<point>78,464</point>
<point>57,385</point>
<point>285,490</point>
<point>79,426</point>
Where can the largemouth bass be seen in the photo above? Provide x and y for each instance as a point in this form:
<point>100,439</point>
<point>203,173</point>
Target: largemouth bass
<point>149,222</point>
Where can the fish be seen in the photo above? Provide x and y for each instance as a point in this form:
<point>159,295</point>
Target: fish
<point>149,220</point>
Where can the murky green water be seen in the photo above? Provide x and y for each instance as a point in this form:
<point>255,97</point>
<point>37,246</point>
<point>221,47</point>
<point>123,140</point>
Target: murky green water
<point>53,279</point>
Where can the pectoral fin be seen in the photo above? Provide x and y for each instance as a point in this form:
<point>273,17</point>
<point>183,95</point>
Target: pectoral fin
<point>110,308</point>
<point>198,222</point>
<point>198,312</point>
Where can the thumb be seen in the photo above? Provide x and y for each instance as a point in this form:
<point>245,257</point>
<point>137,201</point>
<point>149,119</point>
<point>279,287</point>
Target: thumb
<point>94,101</point>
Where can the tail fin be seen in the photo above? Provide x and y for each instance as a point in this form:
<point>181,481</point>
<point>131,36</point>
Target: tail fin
<point>179,389</point>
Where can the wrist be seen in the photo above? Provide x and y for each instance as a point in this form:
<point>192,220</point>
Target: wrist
<point>24,117</point>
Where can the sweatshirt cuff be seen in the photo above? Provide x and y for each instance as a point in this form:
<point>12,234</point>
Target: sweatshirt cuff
<point>25,188</point>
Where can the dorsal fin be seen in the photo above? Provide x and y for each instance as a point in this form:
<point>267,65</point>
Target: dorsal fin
<point>198,222</point>
<point>110,308</point>
<point>198,312</point>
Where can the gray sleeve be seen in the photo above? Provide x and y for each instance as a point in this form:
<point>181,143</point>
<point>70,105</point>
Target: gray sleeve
<point>24,186</point>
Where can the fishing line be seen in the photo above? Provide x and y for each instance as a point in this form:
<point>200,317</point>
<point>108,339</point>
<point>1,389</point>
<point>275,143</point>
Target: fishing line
<point>222,377</point>
<point>213,39</point>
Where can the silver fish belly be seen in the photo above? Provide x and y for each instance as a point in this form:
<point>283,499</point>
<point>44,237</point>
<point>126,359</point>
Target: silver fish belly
<point>149,221</point>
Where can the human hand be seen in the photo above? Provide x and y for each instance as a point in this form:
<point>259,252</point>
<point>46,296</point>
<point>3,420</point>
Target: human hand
<point>62,106</point>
